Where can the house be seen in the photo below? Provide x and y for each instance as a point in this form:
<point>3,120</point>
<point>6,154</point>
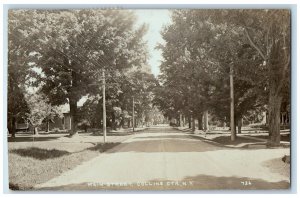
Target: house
<point>284,118</point>
<point>24,126</point>
<point>58,123</point>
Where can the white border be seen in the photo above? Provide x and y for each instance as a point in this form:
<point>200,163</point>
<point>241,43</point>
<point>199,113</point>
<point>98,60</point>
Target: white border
<point>148,3</point>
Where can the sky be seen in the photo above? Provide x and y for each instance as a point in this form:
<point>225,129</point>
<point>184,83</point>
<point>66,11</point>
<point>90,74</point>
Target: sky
<point>156,19</point>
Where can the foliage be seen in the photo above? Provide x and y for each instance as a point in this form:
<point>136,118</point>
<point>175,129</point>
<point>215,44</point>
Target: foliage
<point>18,68</point>
<point>72,47</point>
<point>121,90</point>
<point>40,109</point>
<point>201,45</point>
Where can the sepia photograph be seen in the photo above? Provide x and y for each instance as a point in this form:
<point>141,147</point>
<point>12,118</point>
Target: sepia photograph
<point>148,99</point>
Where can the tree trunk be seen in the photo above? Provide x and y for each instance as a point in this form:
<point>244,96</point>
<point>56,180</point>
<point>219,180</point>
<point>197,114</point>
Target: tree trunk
<point>143,118</point>
<point>235,126</point>
<point>48,127</point>
<point>73,115</point>
<point>35,130</point>
<point>190,124</point>
<point>206,127</point>
<point>240,124</point>
<point>282,121</point>
<point>193,124</point>
<point>136,123</point>
<point>274,118</point>
<point>180,120</point>
<point>232,124</point>
<point>113,122</point>
<point>200,123</point>
<point>121,123</point>
<point>128,123</point>
<point>73,104</point>
<point>13,127</point>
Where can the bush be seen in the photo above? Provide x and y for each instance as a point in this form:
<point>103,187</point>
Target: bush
<point>173,124</point>
<point>84,125</point>
<point>257,125</point>
<point>56,130</point>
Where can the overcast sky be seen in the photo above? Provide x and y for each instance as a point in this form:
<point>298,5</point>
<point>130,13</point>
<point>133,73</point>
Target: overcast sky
<point>156,19</point>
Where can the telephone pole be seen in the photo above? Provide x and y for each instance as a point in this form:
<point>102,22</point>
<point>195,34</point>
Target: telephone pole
<point>232,126</point>
<point>133,114</point>
<point>104,106</point>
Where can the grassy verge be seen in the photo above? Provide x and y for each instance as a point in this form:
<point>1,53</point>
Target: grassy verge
<point>284,137</point>
<point>29,166</point>
<point>226,140</point>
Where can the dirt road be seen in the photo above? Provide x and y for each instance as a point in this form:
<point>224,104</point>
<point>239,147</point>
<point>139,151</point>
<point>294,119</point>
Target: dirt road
<point>166,159</point>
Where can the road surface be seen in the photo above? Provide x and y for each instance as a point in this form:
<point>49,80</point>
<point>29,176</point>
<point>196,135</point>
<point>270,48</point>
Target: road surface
<point>167,159</point>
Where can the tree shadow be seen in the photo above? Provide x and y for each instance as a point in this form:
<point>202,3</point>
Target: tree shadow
<point>38,153</point>
<point>226,140</point>
<point>103,147</point>
<point>13,186</point>
<point>113,133</point>
<point>283,137</point>
<point>31,139</point>
<point>166,144</point>
<point>179,136</point>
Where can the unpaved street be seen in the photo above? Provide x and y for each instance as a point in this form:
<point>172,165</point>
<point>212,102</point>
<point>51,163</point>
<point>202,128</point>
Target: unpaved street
<point>164,158</point>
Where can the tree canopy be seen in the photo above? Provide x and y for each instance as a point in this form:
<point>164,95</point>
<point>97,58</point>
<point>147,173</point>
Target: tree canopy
<point>201,46</point>
<point>69,49</point>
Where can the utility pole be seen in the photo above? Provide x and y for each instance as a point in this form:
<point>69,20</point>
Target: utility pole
<point>133,114</point>
<point>104,106</point>
<point>232,127</point>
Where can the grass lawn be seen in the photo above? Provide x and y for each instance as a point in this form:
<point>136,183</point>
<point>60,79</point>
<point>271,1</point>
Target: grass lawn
<point>222,136</point>
<point>284,137</point>
<point>34,163</point>
<point>242,141</point>
<point>226,140</point>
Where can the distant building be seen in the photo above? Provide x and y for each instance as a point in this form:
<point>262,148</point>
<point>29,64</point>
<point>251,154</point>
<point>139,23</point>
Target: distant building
<point>284,118</point>
<point>61,123</point>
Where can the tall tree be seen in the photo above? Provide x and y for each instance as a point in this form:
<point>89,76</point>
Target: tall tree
<point>72,47</point>
<point>268,32</point>
<point>202,45</point>
<point>18,67</point>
